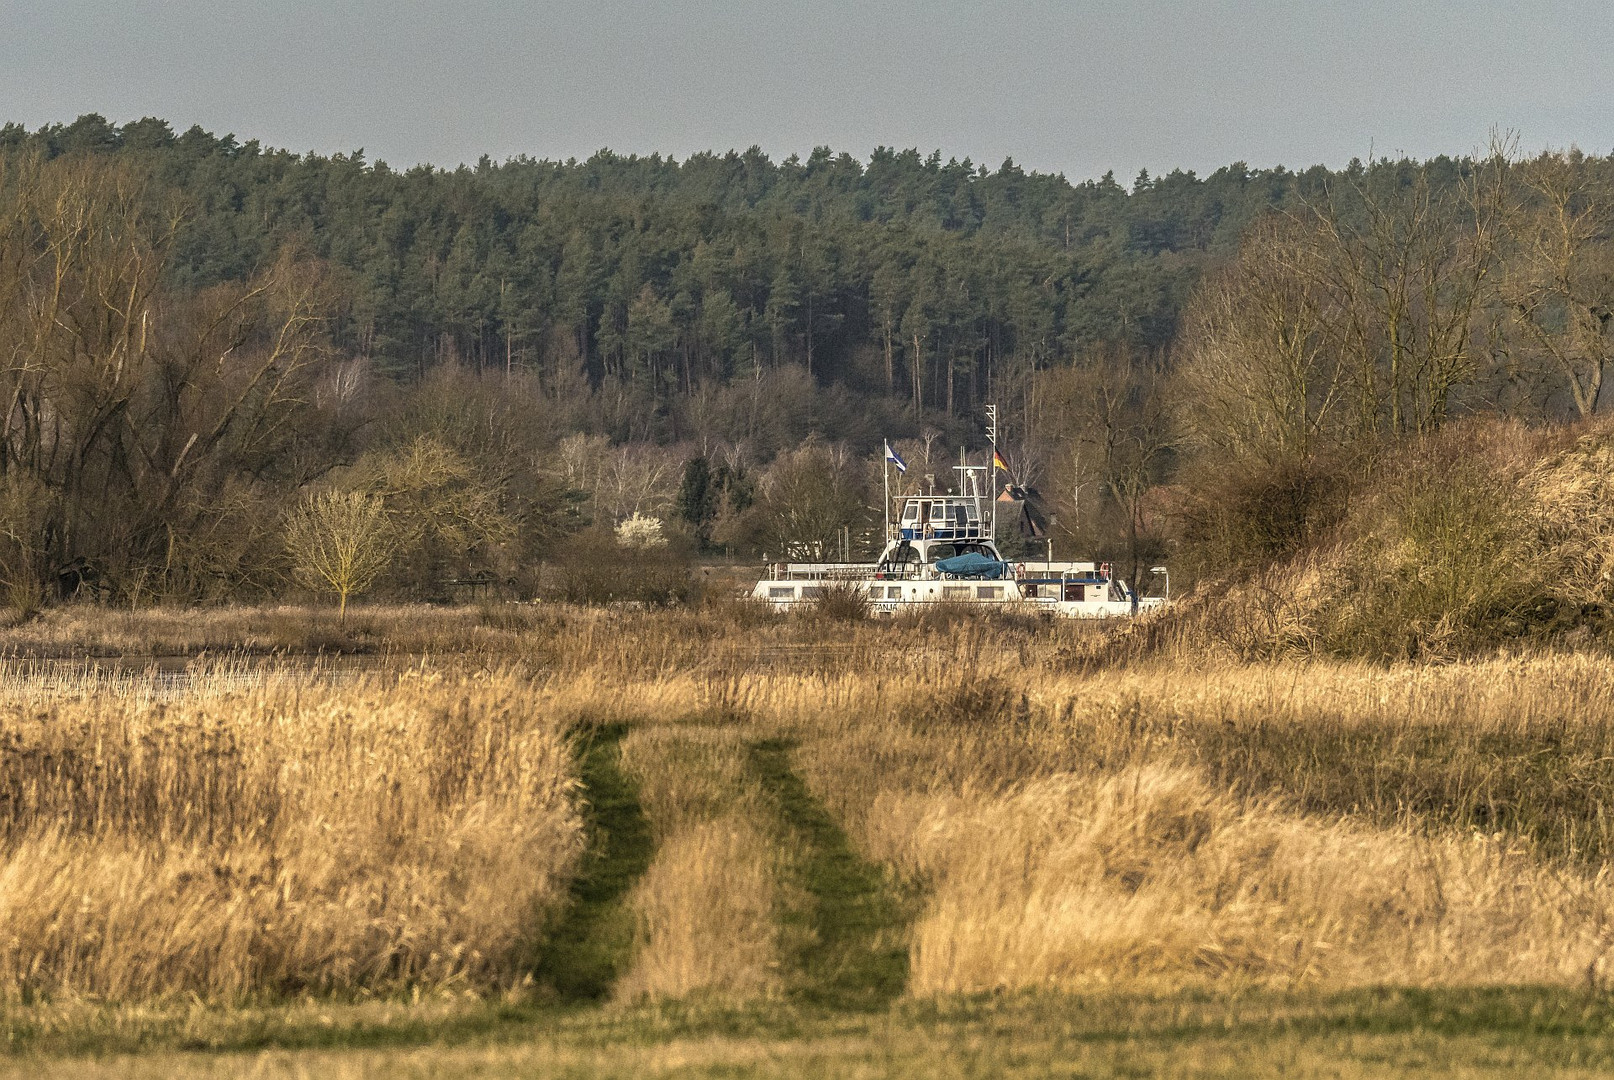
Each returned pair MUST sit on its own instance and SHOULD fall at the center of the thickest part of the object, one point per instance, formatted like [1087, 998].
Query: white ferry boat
[940, 549]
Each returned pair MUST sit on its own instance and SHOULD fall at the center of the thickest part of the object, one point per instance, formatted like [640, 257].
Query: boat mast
[991, 467]
[885, 507]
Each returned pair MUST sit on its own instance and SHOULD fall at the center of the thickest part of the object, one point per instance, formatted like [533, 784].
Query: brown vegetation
[1486, 534]
[1232, 825]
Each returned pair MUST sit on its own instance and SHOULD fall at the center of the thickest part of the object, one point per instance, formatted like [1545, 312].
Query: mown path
[849, 950]
[594, 941]
[855, 956]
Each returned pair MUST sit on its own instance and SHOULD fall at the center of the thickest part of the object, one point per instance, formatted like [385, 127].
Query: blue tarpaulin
[972, 564]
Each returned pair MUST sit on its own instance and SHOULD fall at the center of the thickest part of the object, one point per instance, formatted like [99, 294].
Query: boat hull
[889, 598]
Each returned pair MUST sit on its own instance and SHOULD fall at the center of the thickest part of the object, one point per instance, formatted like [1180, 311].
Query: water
[156, 678]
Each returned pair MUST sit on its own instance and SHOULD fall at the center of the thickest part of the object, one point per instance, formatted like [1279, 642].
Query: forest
[215, 353]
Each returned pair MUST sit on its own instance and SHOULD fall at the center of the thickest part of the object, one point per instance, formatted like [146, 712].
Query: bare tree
[1405, 267]
[1350, 320]
[1105, 428]
[1559, 282]
[1262, 372]
[340, 542]
[809, 496]
[138, 409]
[25, 513]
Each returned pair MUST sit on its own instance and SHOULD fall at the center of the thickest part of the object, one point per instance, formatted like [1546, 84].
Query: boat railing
[972, 531]
[820, 571]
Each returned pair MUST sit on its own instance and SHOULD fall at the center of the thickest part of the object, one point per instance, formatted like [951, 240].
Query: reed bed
[1311, 823]
[289, 834]
[1314, 824]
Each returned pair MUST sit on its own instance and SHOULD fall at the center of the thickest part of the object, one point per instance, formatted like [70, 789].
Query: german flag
[998, 462]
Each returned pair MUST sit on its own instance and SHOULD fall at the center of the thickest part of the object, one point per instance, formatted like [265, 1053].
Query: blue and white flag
[891, 456]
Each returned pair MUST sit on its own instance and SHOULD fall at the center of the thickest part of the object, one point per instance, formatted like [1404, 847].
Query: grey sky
[1059, 86]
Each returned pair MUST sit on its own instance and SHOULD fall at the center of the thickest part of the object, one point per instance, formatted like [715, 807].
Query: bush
[1440, 562]
[1233, 522]
[841, 601]
[594, 569]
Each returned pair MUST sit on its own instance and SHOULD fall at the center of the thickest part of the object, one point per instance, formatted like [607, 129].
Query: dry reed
[285, 835]
[1135, 830]
[1318, 824]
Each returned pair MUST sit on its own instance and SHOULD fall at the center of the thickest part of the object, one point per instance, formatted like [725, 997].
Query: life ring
[1019, 570]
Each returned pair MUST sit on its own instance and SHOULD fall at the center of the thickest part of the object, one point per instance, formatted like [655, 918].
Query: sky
[1058, 85]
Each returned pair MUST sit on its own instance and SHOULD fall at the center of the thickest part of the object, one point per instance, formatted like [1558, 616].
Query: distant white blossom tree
[640, 531]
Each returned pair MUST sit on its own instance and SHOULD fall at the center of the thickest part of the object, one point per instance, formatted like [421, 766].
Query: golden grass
[86, 630]
[1070, 832]
[1214, 824]
[284, 834]
[1148, 878]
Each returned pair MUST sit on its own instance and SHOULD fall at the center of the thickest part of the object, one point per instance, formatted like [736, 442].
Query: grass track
[1371, 1033]
[594, 940]
[856, 956]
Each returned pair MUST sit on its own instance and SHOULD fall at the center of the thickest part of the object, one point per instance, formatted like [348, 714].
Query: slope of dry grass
[1487, 533]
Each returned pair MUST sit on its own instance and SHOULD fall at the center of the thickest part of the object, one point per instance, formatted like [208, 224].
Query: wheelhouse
[940, 517]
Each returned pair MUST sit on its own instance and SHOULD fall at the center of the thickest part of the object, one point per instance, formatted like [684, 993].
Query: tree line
[203, 339]
[903, 276]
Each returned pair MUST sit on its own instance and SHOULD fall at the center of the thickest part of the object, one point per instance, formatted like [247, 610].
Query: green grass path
[593, 943]
[855, 956]
[1494, 1034]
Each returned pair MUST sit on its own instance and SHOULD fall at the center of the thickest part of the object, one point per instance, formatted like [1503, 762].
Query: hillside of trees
[904, 276]
[202, 335]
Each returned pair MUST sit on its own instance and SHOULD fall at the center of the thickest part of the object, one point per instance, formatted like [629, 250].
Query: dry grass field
[532, 840]
[280, 834]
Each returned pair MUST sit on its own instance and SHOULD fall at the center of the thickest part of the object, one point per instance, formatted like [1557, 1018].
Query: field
[519, 840]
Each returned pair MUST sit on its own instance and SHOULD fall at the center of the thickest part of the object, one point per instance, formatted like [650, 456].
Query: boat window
[938, 512]
[781, 592]
[940, 551]
[893, 592]
[910, 512]
[959, 517]
[955, 592]
[989, 592]
[811, 592]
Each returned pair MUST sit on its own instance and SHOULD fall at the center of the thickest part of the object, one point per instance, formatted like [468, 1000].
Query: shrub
[594, 569]
[1439, 563]
[1234, 522]
[841, 601]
